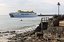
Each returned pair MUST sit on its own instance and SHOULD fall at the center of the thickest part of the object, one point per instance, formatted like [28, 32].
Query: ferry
[23, 14]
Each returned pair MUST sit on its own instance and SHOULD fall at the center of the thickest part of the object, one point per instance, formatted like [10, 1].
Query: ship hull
[20, 15]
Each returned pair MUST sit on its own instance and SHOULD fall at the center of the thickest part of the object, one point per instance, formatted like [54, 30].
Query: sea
[7, 23]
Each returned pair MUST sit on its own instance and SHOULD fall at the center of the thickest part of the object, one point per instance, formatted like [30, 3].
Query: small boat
[21, 20]
[20, 14]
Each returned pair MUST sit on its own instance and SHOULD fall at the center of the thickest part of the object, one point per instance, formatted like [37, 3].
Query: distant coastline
[46, 15]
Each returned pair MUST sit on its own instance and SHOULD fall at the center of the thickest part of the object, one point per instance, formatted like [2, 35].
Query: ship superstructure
[23, 14]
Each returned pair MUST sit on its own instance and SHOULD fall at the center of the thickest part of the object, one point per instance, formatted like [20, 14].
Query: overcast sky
[38, 6]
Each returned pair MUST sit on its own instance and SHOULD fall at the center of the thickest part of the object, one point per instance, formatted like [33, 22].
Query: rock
[13, 32]
[1, 35]
[14, 38]
[44, 27]
[9, 38]
[5, 32]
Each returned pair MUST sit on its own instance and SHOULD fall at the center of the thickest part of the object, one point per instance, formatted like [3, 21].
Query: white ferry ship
[23, 14]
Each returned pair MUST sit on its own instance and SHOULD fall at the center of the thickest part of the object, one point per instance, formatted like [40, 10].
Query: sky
[38, 6]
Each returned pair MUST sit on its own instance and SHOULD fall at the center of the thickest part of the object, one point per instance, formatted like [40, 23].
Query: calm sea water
[8, 23]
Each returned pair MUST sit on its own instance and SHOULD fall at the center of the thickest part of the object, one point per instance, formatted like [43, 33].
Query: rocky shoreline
[5, 35]
[14, 36]
[47, 31]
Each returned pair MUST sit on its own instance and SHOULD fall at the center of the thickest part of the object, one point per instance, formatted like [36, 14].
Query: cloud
[2, 4]
[40, 6]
